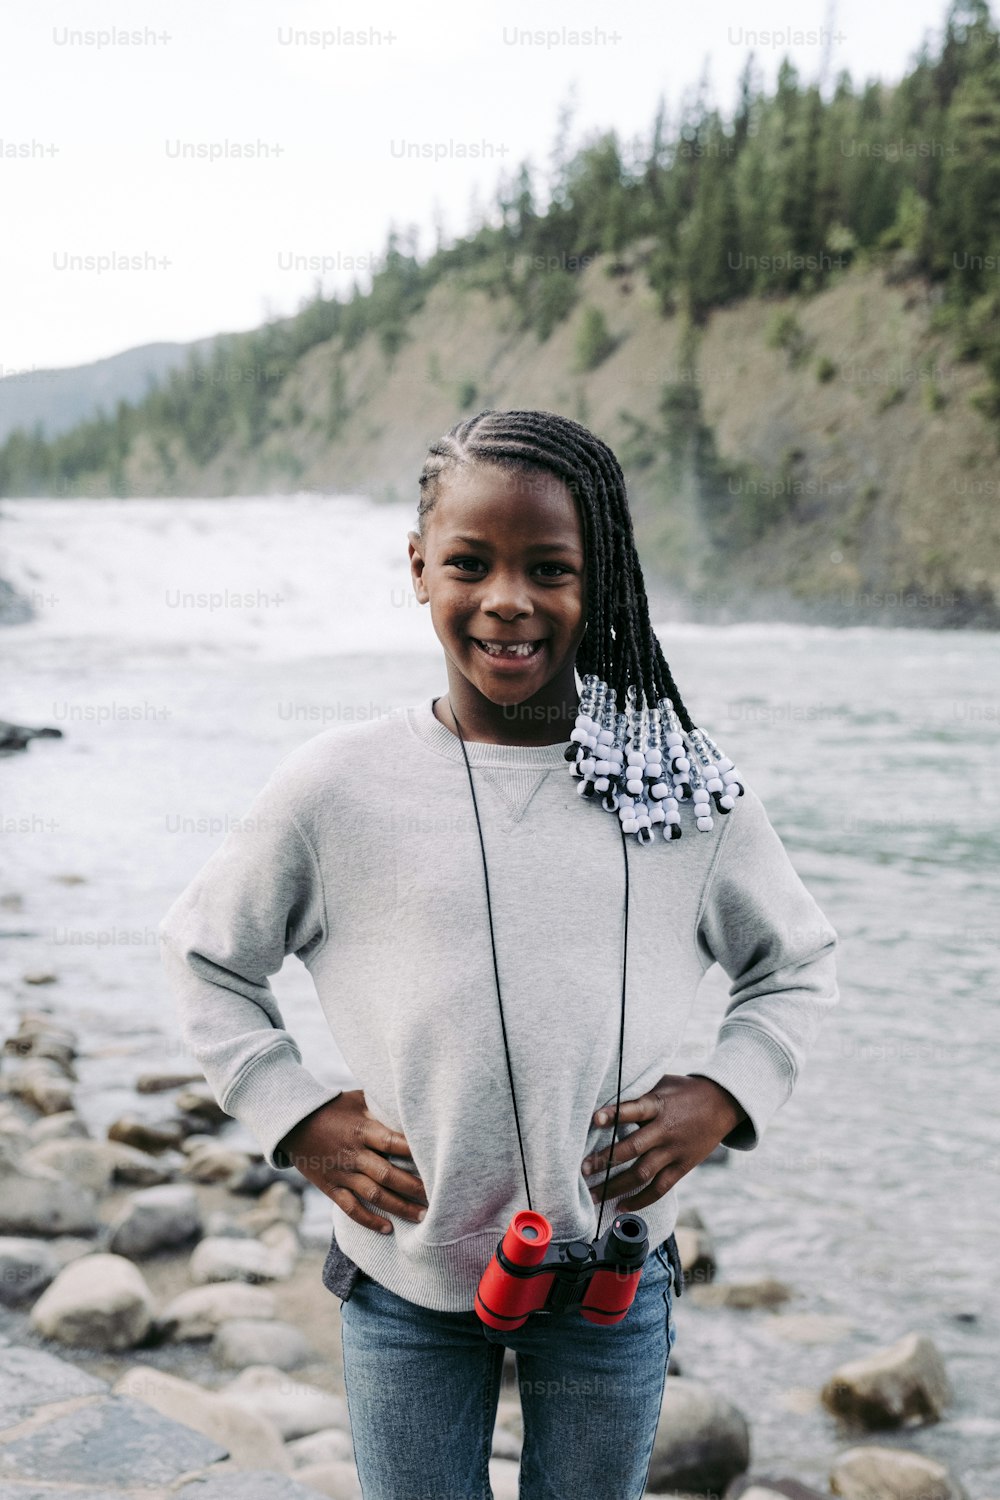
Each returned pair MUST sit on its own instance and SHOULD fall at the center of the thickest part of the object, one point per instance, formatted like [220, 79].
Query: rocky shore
[164, 1329]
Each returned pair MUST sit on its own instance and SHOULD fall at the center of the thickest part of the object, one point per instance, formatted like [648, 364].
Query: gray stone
[248, 1485]
[49, 1041]
[329, 1445]
[905, 1383]
[223, 1258]
[220, 1224]
[30, 1377]
[157, 1083]
[197, 1313]
[338, 1480]
[99, 1301]
[259, 1175]
[199, 1100]
[872, 1473]
[213, 1161]
[147, 1135]
[767, 1487]
[136, 1168]
[155, 1218]
[110, 1442]
[702, 1440]
[82, 1161]
[62, 1126]
[697, 1254]
[251, 1439]
[41, 1084]
[294, 1407]
[39, 1201]
[741, 1294]
[278, 1204]
[26, 1268]
[260, 1341]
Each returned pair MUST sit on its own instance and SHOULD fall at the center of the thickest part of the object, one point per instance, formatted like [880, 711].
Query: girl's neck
[530, 723]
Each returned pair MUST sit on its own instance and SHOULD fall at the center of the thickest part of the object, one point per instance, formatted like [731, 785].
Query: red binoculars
[529, 1274]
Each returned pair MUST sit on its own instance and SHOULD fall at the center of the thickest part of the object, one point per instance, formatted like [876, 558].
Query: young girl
[500, 960]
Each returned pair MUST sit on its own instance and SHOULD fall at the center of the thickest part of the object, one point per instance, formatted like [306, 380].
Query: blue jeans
[423, 1388]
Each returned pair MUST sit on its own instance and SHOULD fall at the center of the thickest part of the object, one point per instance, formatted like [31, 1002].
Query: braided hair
[620, 645]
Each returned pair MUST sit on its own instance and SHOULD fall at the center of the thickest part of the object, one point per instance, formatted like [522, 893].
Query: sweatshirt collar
[436, 736]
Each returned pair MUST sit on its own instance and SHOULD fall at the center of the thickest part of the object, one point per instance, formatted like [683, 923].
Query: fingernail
[421, 1215]
[386, 1228]
[601, 1118]
[588, 1165]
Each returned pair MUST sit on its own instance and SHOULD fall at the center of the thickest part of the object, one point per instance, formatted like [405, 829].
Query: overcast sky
[98, 132]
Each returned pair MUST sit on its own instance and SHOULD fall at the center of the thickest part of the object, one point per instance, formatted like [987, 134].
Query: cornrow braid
[620, 653]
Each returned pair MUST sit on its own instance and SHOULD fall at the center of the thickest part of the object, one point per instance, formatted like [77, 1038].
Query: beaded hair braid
[618, 753]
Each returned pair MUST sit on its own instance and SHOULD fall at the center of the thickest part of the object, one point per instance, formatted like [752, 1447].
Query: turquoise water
[874, 1193]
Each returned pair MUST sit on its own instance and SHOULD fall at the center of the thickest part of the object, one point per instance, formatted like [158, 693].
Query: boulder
[26, 1268]
[702, 1440]
[240, 1342]
[155, 1218]
[872, 1473]
[278, 1204]
[212, 1161]
[146, 1135]
[198, 1099]
[252, 1441]
[329, 1445]
[137, 1168]
[197, 1313]
[337, 1479]
[38, 1201]
[99, 1301]
[905, 1383]
[41, 1084]
[295, 1408]
[223, 1258]
[83, 1161]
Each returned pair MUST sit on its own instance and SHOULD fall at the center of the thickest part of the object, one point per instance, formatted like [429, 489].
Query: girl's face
[501, 564]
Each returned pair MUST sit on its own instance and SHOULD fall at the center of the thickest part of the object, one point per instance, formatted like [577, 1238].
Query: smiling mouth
[515, 649]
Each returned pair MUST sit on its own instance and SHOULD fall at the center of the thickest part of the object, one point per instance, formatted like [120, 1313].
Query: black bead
[571, 751]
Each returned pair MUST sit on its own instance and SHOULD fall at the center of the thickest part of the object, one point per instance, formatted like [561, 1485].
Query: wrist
[731, 1111]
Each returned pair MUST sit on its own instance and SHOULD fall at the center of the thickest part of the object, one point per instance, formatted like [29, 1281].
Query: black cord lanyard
[496, 976]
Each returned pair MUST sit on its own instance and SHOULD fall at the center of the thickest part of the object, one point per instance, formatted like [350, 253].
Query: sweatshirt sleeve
[758, 921]
[258, 898]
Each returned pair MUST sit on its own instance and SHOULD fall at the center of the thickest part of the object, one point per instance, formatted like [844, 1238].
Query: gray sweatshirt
[360, 855]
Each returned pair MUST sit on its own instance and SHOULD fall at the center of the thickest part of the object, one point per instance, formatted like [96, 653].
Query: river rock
[197, 1313]
[905, 1383]
[338, 1479]
[259, 1175]
[158, 1083]
[697, 1254]
[41, 1084]
[295, 1408]
[278, 1204]
[766, 1487]
[702, 1440]
[137, 1168]
[156, 1218]
[34, 1038]
[872, 1473]
[252, 1439]
[260, 1341]
[220, 1223]
[38, 1201]
[82, 1161]
[26, 1268]
[147, 1135]
[198, 1099]
[741, 1294]
[223, 1258]
[99, 1301]
[213, 1161]
[66, 1125]
[328, 1445]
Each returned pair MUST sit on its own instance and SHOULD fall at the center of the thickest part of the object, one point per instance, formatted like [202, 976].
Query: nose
[507, 596]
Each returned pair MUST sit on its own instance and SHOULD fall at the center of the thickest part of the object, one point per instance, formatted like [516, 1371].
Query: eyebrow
[477, 541]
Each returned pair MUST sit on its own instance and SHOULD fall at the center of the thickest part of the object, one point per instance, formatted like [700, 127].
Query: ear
[415, 550]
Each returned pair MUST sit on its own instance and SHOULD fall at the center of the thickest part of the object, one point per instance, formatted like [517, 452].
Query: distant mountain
[60, 399]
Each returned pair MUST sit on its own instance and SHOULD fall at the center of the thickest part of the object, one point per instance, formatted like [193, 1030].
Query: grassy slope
[890, 487]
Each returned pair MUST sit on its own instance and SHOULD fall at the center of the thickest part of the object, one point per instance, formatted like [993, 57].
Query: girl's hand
[341, 1148]
[681, 1121]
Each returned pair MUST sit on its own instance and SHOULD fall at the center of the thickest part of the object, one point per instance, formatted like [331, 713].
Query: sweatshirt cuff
[272, 1096]
[751, 1066]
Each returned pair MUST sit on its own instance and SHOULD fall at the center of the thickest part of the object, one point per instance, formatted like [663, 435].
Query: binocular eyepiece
[531, 1274]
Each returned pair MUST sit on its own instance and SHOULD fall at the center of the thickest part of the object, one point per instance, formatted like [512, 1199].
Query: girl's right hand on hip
[341, 1148]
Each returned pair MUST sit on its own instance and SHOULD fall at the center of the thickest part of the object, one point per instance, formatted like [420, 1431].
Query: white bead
[729, 777]
[659, 789]
[682, 763]
[635, 787]
[588, 766]
[671, 808]
[700, 794]
[653, 762]
[579, 736]
[715, 785]
[605, 737]
[584, 721]
[592, 741]
[726, 802]
[674, 739]
[602, 783]
[630, 825]
[725, 764]
[705, 825]
[656, 814]
[635, 757]
[627, 801]
[642, 822]
[603, 767]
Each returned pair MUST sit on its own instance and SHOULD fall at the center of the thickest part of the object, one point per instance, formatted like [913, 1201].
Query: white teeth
[523, 648]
